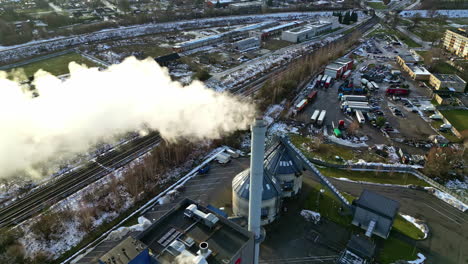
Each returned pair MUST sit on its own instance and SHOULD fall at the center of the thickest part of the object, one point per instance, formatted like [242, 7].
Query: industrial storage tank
[271, 196]
[287, 170]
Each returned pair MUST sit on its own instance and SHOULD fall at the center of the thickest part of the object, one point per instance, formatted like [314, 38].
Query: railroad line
[69, 183]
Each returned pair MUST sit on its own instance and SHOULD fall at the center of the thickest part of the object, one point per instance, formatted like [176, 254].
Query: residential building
[456, 41]
[451, 82]
[375, 213]
[305, 32]
[247, 44]
[409, 64]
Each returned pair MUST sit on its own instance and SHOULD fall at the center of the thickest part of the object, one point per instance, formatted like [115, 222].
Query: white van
[436, 117]
[223, 158]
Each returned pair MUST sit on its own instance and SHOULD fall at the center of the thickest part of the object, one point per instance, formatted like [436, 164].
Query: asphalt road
[448, 238]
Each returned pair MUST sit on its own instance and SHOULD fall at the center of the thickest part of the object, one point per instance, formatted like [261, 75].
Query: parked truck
[324, 79]
[328, 82]
[301, 105]
[397, 91]
[314, 116]
[360, 117]
[321, 117]
[346, 74]
[311, 95]
[354, 98]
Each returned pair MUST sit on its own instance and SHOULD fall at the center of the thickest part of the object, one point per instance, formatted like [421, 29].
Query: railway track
[69, 183]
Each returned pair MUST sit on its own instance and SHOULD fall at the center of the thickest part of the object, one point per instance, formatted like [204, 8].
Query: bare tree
[353, 127]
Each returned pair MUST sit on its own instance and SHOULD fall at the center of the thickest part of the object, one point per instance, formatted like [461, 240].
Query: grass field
[276, 44]
[375, 177]
[407, 40]
[376, 5]
[329, 152]
[401, 225]
[448, 134]
[444, 68]
[395, 249]
[458, 118]
[57, 65]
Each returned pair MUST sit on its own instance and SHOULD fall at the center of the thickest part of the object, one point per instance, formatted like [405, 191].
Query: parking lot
[407, 119]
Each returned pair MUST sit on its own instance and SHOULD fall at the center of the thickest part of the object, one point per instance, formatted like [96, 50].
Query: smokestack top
[259, 122]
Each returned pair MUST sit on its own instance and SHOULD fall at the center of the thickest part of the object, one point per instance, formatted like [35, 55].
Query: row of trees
[348, 17]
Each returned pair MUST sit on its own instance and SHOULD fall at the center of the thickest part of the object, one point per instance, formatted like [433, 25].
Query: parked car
[436, 117]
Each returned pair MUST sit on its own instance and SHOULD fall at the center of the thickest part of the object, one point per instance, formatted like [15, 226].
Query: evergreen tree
[217, 5]
[270, 3]
[340, 18]
[354, 17]
[347, 18]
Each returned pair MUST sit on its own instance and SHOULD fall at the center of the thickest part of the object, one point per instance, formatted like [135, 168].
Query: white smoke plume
[91, 106]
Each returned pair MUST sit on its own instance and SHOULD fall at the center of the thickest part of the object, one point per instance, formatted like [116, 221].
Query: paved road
[448, 239]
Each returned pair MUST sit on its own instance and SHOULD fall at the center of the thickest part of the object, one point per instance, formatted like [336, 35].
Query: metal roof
[280, 161]
[361, 246]
[280, 27]
[241, 185]
[378, 203]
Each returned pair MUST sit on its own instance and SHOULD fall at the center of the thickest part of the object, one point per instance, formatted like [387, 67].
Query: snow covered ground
[461, 187]
[448, 199]
[454, 13]
[35, 48]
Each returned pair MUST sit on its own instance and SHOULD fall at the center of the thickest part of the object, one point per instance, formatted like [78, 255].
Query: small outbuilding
[375, 213]
[359, 250]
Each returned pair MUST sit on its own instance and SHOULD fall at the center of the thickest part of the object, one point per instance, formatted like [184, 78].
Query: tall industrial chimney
[256, 181]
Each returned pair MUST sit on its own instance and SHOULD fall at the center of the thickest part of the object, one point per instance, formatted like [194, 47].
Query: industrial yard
[233, 132]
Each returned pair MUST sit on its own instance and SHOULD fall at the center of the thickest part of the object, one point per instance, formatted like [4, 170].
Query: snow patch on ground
[372, 183]
[420, 260]
[143, 223]
[281, 129]
[460, 187]
[418, 223]
[451, 13]
[311, 216]
[448, 199]
[345, 142]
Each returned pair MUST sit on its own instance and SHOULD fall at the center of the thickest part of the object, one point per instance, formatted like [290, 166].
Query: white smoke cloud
[69, 116]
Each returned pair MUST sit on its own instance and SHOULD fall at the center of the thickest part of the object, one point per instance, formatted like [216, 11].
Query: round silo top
[280, 162]
[241, 185]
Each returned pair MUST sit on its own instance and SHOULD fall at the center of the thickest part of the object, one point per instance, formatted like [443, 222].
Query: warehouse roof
[419, 70]
[124, 252]
[361, 246]
[280, 26]
[377, 203]
[408, 58]
[334, 66]
[448, 78]
[225, 239]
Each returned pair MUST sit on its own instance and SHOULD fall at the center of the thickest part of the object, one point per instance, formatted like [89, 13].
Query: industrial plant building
[276, 30]
[306, 32]
[188, 232]
[375, 213]
[247, 44]
[451, 82]
[456, 41]
[226, 36]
